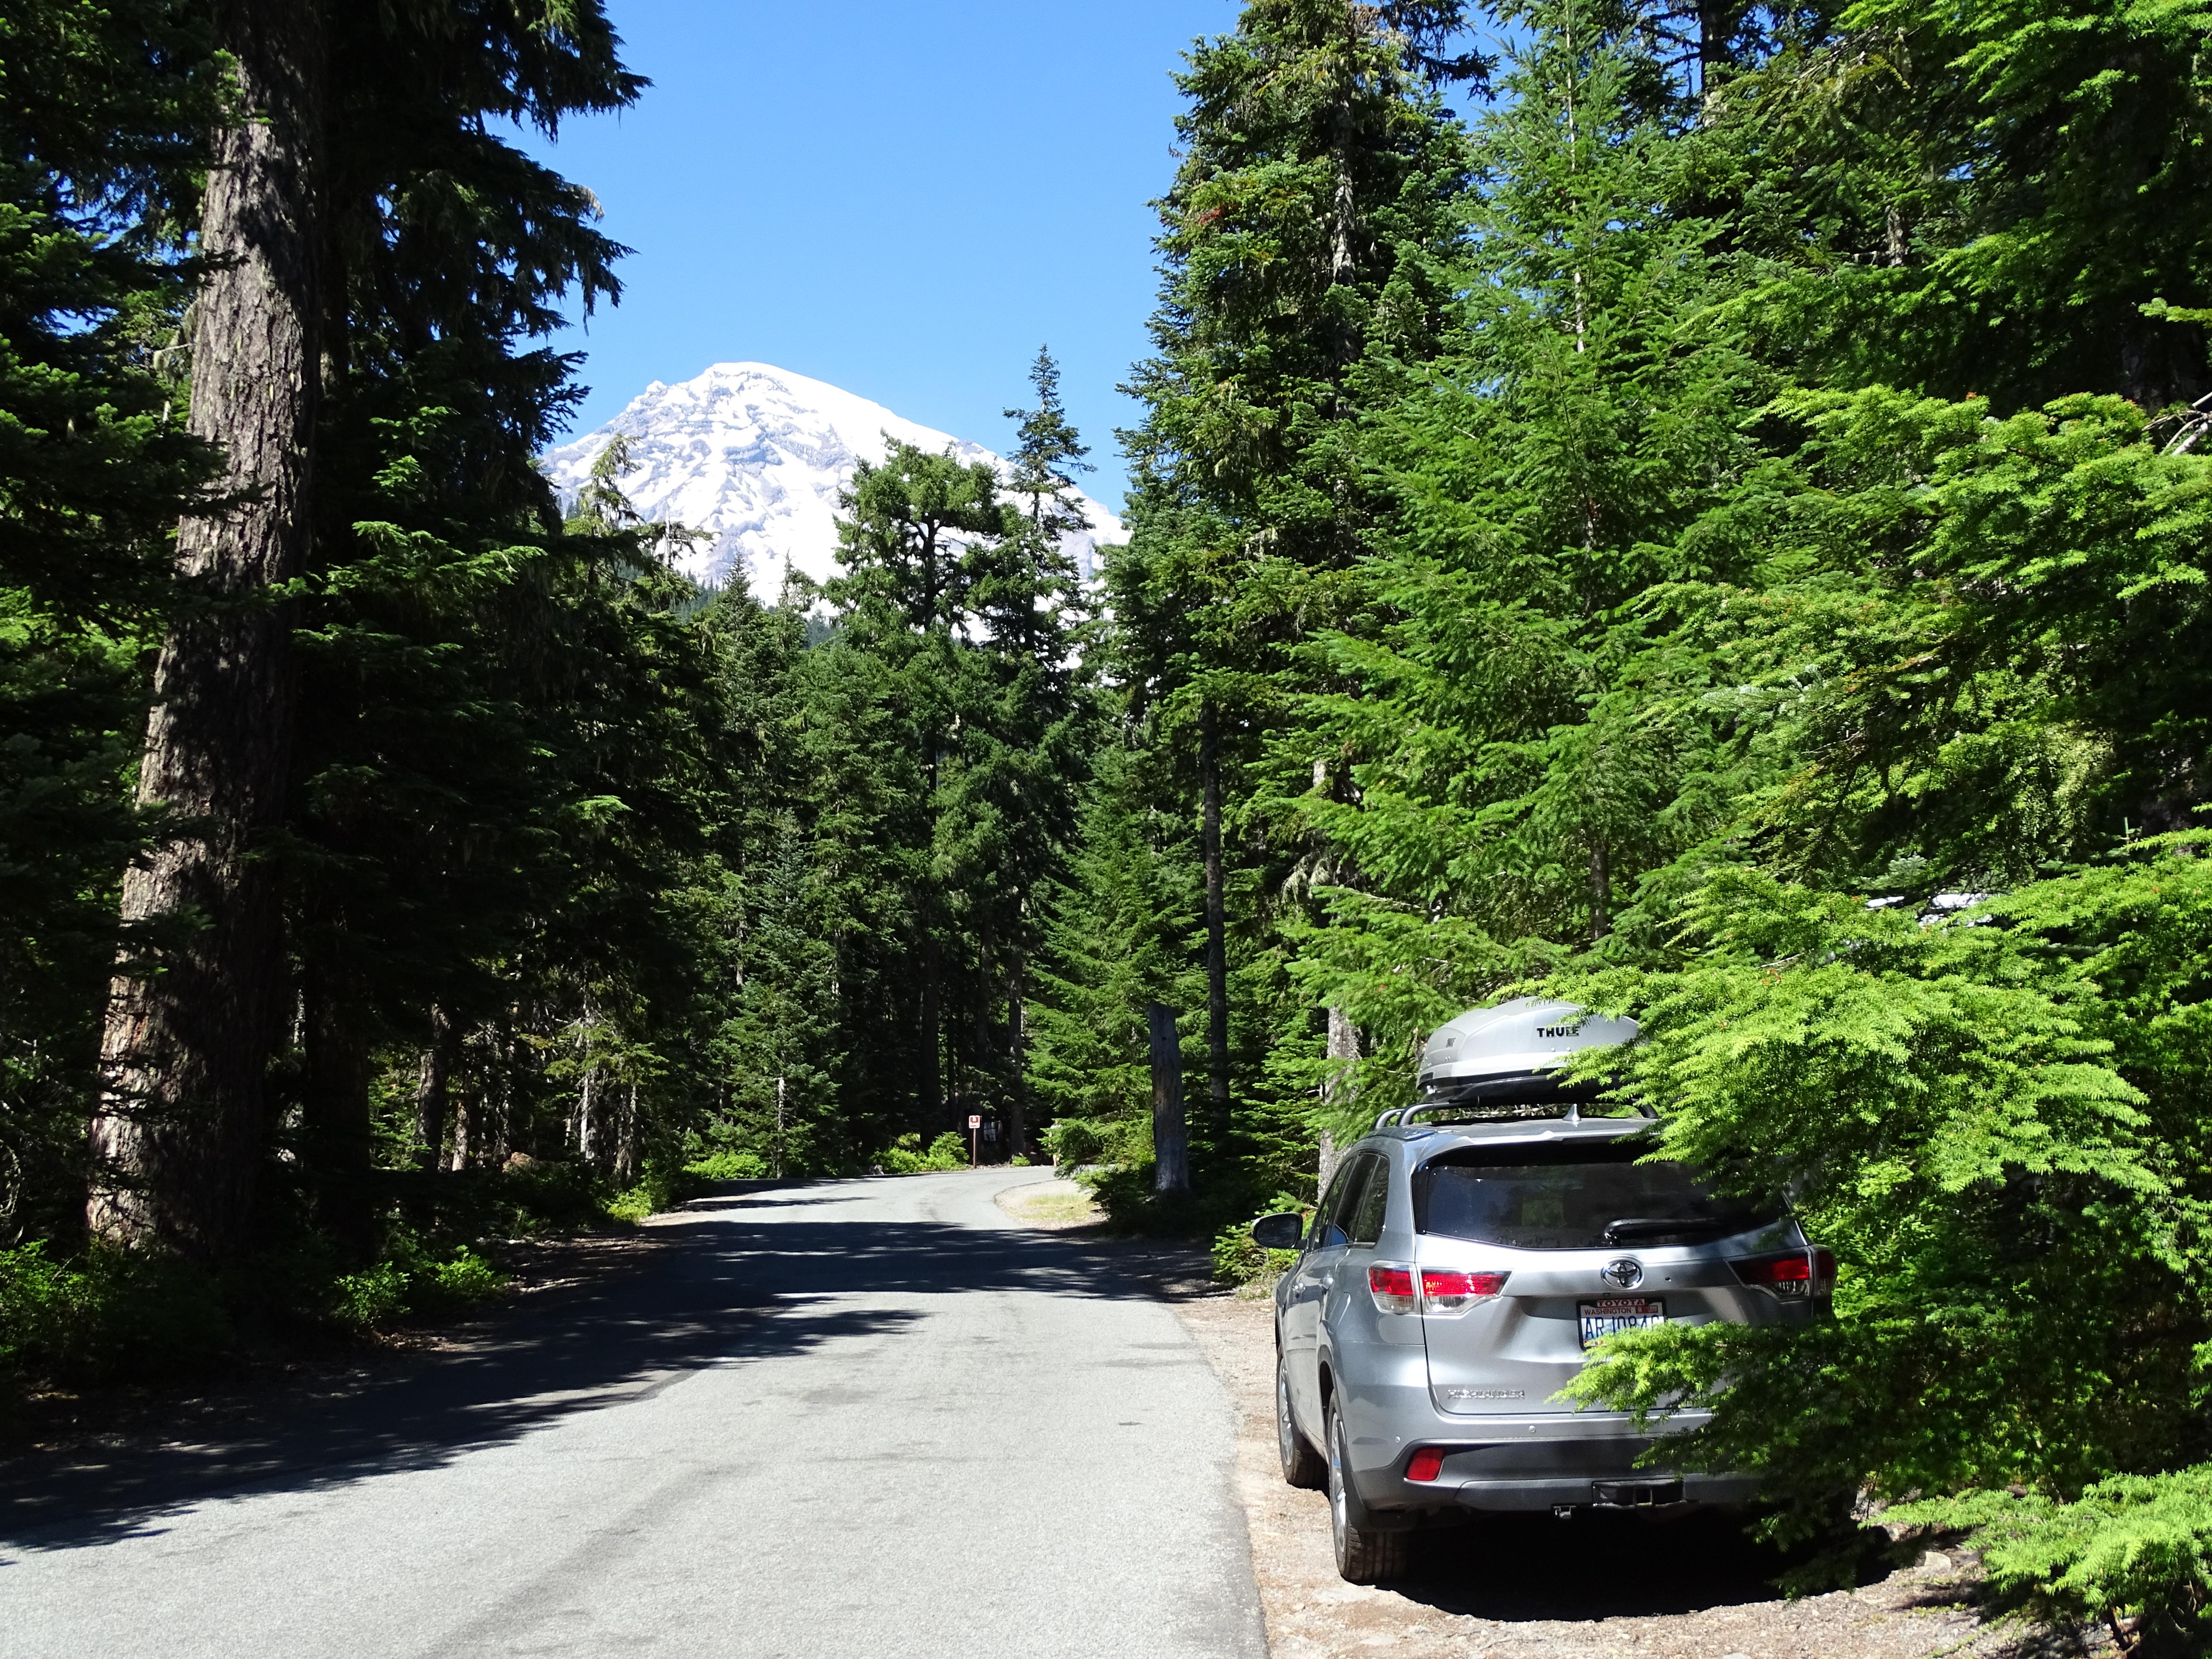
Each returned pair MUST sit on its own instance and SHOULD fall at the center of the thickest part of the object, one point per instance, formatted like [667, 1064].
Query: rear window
[1586, 1195]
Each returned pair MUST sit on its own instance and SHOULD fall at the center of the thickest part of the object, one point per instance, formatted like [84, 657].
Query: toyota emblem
[1627, 1273]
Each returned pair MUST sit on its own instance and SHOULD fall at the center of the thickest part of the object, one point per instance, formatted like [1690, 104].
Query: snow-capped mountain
[756, 456]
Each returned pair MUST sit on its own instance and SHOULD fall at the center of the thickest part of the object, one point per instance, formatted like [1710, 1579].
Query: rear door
[1590, 1242]
[1310, 1279]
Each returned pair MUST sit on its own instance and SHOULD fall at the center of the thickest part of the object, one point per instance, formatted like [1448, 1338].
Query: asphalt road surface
[868, 1418]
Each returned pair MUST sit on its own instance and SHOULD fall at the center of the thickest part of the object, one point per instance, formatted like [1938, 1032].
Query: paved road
[868, 1418]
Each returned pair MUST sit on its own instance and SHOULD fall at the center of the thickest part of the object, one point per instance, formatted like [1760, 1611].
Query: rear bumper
[1636, 1489]
[1540, 1461]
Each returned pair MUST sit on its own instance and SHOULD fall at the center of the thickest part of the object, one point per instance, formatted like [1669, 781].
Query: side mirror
[1278, 1232]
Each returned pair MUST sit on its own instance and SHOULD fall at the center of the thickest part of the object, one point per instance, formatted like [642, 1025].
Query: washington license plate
[1619, 1313]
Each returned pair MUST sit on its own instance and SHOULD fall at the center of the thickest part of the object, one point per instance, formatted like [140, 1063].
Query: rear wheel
[1363, 1555]
[1301, 1465]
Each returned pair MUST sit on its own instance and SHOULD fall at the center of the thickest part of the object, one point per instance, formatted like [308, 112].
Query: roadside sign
[975, 1122]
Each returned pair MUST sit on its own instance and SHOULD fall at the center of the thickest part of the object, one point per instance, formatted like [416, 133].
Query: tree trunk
[1600, 893]
[464, 1126]
[588, 1137]
[178, 1135]
[1718, 22]
[932, 1016]
[434, 1089]
[1343, 1045]
[1018, 1121]
[1171, 1136]
[496, 1127]
[626, 1141]
[1217, 947]
[337, 1142]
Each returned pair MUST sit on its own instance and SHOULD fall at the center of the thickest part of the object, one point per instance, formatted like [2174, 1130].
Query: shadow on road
[733, 1283]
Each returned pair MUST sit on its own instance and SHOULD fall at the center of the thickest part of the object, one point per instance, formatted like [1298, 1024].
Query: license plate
[1619, 1313]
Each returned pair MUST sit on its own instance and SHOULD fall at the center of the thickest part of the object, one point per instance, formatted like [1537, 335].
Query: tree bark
[1216, 945]
[178, 1135]
[433, 1088]
[626, 1149]
[1018, 1121]
[1171, 1135]
[932, 1043]
[464, 1125]
[1601, 892]
[1718, 22]
[339, 1142]
[1343, 1045]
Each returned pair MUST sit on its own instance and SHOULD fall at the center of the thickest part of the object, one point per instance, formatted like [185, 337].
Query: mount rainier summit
[754, 456]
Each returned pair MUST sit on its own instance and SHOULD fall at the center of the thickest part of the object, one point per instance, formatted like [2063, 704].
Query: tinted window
[1340, 1194]
[1575, 1197]
[1365, 1212]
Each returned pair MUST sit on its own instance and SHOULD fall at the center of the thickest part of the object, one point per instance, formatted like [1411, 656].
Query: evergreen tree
[360, 148]
[1492, 783]
[1304, 243]
[102, 107]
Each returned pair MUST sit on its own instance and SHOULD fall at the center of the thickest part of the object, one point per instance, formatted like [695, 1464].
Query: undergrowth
[95, 1316]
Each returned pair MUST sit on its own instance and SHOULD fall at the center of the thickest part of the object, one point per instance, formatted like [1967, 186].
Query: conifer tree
[178, 1135]
[103, 111]
[1490, 771]
[360, 146]
[1303, 243]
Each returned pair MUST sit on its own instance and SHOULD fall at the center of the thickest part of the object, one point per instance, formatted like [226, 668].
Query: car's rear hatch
[1589, 1241]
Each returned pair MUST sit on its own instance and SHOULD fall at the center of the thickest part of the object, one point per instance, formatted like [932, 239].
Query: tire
[1303, 1466]
[1363, 1554]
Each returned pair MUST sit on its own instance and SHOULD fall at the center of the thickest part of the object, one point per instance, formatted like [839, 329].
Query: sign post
[975, 1123]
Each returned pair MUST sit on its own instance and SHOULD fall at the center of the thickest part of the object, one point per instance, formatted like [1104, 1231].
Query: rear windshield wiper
[1631, 1228]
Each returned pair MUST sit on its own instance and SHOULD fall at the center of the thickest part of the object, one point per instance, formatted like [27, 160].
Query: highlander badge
[1627, 1273]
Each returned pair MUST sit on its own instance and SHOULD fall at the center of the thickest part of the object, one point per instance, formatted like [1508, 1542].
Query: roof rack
[1474, 1111]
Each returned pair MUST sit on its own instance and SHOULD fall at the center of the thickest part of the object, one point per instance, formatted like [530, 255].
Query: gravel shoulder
[1541, 1589]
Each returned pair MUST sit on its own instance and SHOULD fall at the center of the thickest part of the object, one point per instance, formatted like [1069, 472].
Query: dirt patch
[1054, 1205]
[1511, 1588]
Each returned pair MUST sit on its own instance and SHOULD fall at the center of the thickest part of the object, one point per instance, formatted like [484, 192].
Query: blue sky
[904, 197]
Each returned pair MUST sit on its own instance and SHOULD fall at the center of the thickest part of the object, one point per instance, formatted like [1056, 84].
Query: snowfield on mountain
[754, 456]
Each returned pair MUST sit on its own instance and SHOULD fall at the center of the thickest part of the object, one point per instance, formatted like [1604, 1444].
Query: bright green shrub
[2133, 1553]
[108, 1315]
[467, 1277]
[374, 1297]
[2001, 1130]
[903, 1157]
[1074, 1142]
[727, 1165]
[633, 1206]
[1078, 1142]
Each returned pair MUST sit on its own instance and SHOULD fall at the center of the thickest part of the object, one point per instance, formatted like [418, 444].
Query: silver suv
[1455, 1277]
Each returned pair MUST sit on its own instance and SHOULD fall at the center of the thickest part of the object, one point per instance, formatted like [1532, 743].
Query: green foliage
[107, 1316]
[2132, 1551]
[727, 1166]
[1991, 1119]
[1075, 1142]
[632, 1206]
[905, 1156]
[1783, 509]
[1238, 1260]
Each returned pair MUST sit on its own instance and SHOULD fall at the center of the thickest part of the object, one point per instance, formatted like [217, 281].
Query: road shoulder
[1540, 1576]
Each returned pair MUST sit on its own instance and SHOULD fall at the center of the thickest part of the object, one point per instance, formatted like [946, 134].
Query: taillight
[1392, 1287]
[1425, 1464]
[1437, 1291]
[1797, 1274]
[1446, 1291]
